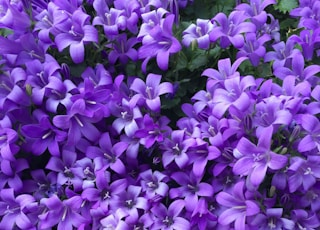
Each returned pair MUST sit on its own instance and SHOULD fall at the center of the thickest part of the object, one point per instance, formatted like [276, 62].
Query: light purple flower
[77, 32]
[159, 43]
[169, 218]
[14, 210]
[254, 161]
[239, 205]
[229, 29]
[150, 90]
[198, 32]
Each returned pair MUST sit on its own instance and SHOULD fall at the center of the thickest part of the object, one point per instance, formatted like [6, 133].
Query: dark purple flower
[254, 161]
[47, 21]
[40, 77]
[14, 210]
[239, 205]
[229, 29]
[150, 90]
[159, 43]
[198, 32]
[77, 32]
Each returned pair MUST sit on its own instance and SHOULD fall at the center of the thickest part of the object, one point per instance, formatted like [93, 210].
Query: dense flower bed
[159, 114]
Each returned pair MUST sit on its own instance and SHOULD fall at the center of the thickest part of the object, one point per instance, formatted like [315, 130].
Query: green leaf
[286, 5]
[5, 32]
[198, 60]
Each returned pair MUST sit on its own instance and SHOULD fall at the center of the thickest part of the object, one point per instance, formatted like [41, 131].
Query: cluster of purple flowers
[93, 150]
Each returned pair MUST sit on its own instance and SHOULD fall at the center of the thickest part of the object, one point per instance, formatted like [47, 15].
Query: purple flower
[191, 188]
[104, 192]
[150, 90]
[112, 20]
[255, 9]
[159, 43]
[11, 173]
[282, 55]
[153, 183]
[44, 135]
[225, 70]
[303, 219]
[77, 123]
[272, 219]
[311, 140]
[114, 221]
[253, 47]
[122, 49]
[198, 32]
[130, 9]
[230, 29]
[127, 203]
[169, 219]
[8, 146]
[15, 210]
[234, 93]
[150, 131]
[254, 161]
[303, 172]
[175, 149]
[150, 21]
[76, 34]
[68, 173]
[12, 93]
[309, 40]
[127, 114]
[108, 155]
[298, 70]
[64, 214]
[202, 217]
[239, 205]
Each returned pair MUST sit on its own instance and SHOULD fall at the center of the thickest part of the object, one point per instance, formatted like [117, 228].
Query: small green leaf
[199, 59]
[286, 5]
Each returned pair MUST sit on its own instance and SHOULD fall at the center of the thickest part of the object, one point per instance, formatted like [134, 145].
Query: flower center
[148, 92]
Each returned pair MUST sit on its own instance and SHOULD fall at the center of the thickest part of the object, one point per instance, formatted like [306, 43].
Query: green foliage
[285, 6]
